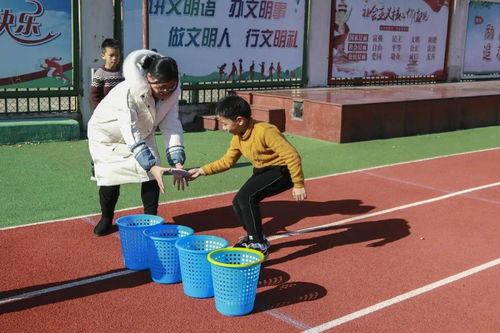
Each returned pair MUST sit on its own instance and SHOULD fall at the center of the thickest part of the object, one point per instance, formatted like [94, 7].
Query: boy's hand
[157, 172]
[180, 182]
[195, 173]
[299, 194]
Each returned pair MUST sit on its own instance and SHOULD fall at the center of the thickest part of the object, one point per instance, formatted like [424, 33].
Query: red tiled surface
[365, 113]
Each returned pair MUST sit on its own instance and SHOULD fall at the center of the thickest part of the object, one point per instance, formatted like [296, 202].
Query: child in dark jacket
[109, 75]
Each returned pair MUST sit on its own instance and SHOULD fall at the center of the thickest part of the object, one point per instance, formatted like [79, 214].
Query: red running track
[412, 247]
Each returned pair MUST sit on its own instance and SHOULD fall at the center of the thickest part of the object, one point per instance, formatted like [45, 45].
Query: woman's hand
[299, 194]
[157, 172]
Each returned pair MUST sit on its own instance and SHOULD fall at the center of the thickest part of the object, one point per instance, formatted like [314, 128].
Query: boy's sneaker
[263, 247]
[243, 242]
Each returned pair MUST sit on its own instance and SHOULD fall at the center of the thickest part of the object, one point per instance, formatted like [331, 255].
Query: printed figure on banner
[342, 15]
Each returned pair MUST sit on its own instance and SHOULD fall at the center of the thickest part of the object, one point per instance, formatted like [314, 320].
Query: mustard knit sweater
[263, 145]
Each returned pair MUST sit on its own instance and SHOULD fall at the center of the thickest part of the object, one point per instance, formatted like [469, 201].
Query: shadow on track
[129, 280]
[283, 291]
[286, 294]
[282, 214]
[378, 232]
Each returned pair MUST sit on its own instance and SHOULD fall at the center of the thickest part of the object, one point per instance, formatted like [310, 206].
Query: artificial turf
[46, 181]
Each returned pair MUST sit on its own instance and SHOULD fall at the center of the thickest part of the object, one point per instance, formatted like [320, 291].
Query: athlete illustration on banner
[278, 70]
[262, 69]
[54, 69]
[240, 68]
[271, 71]
[251, 70]
[222, 71]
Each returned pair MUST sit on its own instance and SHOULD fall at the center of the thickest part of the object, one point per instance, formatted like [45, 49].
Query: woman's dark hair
[162, 69]
[233, 106]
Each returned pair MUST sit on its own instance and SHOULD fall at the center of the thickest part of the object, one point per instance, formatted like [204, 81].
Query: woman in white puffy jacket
[121, 133]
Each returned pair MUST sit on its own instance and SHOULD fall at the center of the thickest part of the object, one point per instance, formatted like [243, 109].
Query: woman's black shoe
[103, 227]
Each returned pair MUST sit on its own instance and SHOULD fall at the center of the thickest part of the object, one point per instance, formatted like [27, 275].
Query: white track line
[228, 192]
[64, 286]
[402, 181]
[290, 321]
[402, 297]
[303, 231]
[403, 163]
[389, 210]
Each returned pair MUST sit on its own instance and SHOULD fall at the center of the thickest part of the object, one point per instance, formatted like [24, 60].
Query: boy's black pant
[108, 196]
[265, 182]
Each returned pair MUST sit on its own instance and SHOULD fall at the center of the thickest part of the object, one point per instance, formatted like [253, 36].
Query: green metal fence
[20, 102]
[211, 92]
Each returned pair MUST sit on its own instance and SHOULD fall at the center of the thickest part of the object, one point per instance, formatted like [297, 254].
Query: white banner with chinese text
[223, 40]
[389, 38]
[482, 44]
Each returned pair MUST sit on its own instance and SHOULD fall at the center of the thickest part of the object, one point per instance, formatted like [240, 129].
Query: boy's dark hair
[110, 42]
[233, 106]
[162, 69]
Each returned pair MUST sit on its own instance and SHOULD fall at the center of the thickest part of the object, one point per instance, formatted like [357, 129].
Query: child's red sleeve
[96, 92]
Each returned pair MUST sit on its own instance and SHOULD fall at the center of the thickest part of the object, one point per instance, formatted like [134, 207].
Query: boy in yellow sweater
[277, 167]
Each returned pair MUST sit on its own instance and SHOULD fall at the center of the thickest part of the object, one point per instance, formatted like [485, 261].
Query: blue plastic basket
[235, 274]
[195, 268]
[163, 257]
[134, 243]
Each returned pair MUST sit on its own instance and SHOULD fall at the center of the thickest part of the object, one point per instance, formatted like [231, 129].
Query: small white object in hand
[180, 172]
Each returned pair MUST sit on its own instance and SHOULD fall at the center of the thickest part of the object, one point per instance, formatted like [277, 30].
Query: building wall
[319, 43]
[456, 39]
[97, 23]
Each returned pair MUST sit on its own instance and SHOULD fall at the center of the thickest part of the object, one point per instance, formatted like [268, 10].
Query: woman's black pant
[108, 197]
[265, 182]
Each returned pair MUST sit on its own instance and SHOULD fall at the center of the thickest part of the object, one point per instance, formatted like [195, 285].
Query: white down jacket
[127, 115]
